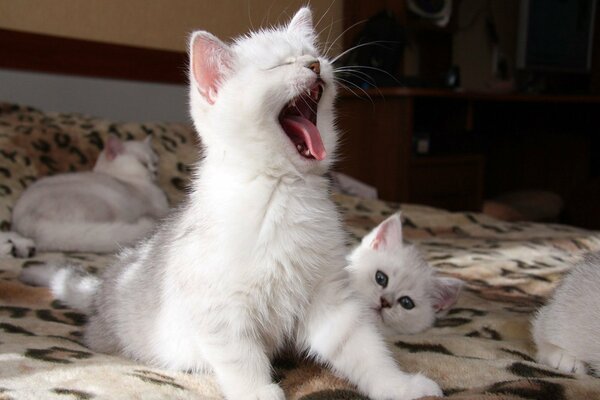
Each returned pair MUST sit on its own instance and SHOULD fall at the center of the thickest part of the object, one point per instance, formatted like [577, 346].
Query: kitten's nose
[314, 66]
[385, 303]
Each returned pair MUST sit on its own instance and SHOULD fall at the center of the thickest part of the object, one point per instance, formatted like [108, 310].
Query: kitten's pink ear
[445, 292]
[114, 147]
[210, 61]
[302, 23]
[388, 234]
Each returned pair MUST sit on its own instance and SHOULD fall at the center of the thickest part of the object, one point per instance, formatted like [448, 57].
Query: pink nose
[385, 303]
[314, 66]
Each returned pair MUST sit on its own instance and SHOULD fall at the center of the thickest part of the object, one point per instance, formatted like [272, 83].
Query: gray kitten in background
[566, 331]
[398, 284]
[98, 211]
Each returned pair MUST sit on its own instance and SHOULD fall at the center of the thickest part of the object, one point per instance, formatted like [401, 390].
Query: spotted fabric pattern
[482, 349]
[34, 144]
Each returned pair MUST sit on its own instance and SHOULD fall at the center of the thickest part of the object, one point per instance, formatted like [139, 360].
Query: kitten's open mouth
[299, 121]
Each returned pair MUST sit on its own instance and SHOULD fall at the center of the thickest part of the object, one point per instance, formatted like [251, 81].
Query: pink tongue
[302, 127]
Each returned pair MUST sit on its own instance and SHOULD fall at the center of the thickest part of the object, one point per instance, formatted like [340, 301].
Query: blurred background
[481, 105]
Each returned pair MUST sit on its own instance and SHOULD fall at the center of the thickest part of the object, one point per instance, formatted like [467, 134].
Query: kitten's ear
[210, 61]
[388, 234]
[114, 147]
[445, 292]
[302, 23]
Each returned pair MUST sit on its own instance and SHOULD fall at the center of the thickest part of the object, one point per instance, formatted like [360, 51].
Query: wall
[109, 98]
[162, 24]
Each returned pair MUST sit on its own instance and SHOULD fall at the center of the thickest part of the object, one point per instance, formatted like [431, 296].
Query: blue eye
[381, 278]
[406, 302]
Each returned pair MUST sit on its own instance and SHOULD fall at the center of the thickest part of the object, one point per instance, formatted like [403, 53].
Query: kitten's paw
[407, 387]
[420, 386]
[562, 361]
[268, 392]
[17, 246]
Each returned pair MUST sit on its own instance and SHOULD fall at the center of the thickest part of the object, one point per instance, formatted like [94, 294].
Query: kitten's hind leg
[339, 333]
[559, 358]
[242, 368]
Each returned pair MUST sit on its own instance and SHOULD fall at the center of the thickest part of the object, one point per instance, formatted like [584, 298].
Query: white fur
[408, 274]
[70, 283]
[115, 205]
[254, 262]
[13, 244]
[566, 331]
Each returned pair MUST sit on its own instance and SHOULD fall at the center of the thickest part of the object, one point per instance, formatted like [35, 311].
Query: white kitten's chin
[402, 324]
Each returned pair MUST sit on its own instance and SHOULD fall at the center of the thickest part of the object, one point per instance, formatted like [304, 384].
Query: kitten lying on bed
[100, 211]
[566, 331]
[397, 282]
[254, 262]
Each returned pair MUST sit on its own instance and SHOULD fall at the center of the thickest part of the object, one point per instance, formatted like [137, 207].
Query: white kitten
[397, 282]
[254, 262]
[114, 205]
[567, 329]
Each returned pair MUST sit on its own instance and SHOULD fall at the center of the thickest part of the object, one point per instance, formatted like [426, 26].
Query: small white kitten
[397, 282]
[98, 211]
[566, 331]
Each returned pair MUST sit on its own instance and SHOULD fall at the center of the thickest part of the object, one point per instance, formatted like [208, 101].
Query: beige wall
[163, 24]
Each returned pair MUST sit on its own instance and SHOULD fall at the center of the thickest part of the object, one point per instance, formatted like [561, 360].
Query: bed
[481, 349]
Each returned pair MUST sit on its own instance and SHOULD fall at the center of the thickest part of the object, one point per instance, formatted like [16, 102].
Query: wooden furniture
[481, 144]
[431, 44]
[59, 55]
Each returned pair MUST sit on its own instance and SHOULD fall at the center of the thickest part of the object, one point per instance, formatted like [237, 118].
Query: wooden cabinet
[477, 143]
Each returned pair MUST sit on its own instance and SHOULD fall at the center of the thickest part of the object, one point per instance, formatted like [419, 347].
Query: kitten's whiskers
[340, 80]
[341, 35]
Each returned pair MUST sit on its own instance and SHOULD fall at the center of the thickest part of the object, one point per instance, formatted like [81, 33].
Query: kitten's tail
[94, 237]
[69, 283]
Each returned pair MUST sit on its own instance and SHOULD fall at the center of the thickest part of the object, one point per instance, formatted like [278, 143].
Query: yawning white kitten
[397, 282]
[254, 262]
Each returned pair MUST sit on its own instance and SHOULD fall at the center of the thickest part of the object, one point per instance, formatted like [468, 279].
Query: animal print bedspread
[481, 350]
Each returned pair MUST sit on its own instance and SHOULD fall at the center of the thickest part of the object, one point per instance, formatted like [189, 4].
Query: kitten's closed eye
[279, 65]
[287, 61]
[381, 278]
[406, 302]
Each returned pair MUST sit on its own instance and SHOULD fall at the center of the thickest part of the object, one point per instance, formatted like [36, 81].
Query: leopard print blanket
[481, 350]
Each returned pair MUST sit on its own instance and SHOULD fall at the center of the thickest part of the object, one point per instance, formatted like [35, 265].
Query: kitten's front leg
[560, 359]
[242, 368]
[12, 243]
[339, 332]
